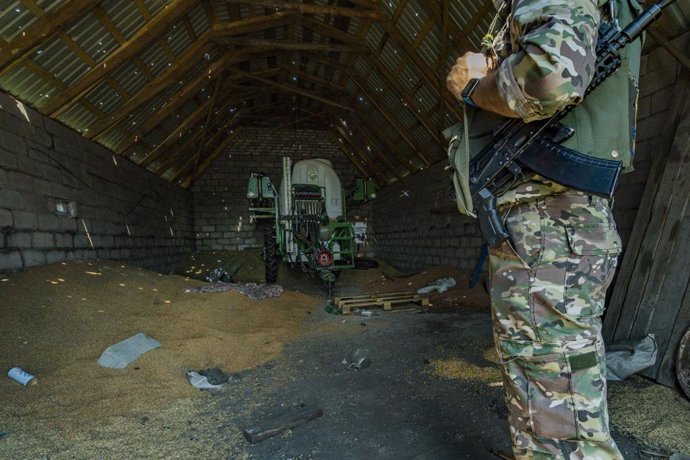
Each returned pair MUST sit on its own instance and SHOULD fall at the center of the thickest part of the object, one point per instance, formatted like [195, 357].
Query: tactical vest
[604, 123]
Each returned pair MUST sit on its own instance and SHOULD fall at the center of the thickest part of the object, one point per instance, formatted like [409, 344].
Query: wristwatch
[469, 91]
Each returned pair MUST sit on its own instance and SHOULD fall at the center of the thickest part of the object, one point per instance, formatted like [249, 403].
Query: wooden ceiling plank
[189, 27]
[32, 6]
[311, 8]
[158, 25]
[26, 42]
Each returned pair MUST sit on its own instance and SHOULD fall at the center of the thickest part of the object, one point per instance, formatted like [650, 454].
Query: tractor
[304, 221]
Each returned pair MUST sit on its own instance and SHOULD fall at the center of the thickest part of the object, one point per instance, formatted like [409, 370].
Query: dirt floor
[432, 390]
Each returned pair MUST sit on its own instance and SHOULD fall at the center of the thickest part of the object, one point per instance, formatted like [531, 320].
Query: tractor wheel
[270, 253]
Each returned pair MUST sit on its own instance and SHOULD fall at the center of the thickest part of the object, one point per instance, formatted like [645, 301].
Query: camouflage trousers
[548, 289]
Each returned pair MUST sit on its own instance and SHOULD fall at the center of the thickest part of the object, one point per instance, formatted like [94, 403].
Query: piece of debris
[218, 275]
[215, 376]
[4, 433]
[251, 290]
[122, 354]
[22, 377]
[440, 285]
[358, 359]
[283, 422]
[386, 300]
[201, 382]
[625, 358]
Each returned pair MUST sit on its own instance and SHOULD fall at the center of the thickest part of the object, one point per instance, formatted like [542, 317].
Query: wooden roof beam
[345, 140]
[310, 8]
[361, 135]
[292, 45]
[47, 26]
[249, 25]
[294, 89]
[189, 180]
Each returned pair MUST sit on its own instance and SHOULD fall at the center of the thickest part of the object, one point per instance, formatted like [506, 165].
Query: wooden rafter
[351, 156]
[293, 45]
[361, 135]
[189, 180]
[47, 26]
[346, 144]
[249, 25]
[294, 89]
[310, 8]
[211, 108]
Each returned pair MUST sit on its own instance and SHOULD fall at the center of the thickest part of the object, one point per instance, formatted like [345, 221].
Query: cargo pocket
[567, 396]
[594, 250]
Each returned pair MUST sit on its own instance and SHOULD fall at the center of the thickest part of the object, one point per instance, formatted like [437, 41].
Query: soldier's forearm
[487, 97]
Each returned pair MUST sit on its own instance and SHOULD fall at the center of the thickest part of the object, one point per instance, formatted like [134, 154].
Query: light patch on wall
[239, 224]
[66, 208]
[114, 160]
[22, 109]
[88, 235]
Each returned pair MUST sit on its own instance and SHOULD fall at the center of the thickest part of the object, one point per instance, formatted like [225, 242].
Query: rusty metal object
[683, 363]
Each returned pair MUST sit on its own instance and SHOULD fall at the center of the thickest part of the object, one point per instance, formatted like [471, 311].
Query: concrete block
[64, 240]
[42, 240]
[5, 218]
[20, 181]
[8, 159]
[10, 141]
[10, 260]
[18, 240]
[55, 256]
[25, 220]
[34, 258]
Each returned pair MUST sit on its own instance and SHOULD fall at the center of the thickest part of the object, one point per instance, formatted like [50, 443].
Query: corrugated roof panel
[14, 18]
[155, 59]
[104, 98]
[78, 117]
[49, 5]
[128, 19]
[425, 98]
[21, 82]
[154, 6]
[391, 55]
[130, 77]
[361, 66]
[59, 60]
[408, 77]
[93, 37]
[178, 39]
[199, 20]
[113, 138]
[374, 37]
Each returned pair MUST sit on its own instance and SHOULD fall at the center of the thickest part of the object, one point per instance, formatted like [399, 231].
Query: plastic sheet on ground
[251, 290]
[627, 357]
[123, 353]
[440, 285]
[201, 382]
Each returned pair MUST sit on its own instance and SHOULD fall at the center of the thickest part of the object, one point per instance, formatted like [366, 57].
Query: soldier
[549, 281]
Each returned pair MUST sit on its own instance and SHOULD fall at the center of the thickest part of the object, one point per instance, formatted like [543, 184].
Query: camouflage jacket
[548, 54]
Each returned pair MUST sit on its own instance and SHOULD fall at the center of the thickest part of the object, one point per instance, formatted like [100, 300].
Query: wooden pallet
[385, 301]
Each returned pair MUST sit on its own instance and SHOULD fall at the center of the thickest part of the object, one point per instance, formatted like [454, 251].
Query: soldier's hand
[467, 67]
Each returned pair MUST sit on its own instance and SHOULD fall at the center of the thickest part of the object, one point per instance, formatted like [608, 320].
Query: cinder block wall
[417, 225]
[415, 229]
[129, 213]
[221, 215]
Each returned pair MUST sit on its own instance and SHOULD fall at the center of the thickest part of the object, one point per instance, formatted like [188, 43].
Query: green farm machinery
[304, 220]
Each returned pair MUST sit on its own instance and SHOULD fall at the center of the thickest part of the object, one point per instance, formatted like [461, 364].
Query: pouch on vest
[465, 140]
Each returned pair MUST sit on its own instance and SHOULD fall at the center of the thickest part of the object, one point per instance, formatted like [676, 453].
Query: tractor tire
[270, 253]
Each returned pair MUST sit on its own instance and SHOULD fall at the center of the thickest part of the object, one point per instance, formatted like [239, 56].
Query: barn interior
[141, 144]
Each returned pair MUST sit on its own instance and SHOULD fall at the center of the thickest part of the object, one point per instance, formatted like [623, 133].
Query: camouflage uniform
[548, 285]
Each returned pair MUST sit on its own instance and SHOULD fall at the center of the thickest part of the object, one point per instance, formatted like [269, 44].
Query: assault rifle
[535, 146]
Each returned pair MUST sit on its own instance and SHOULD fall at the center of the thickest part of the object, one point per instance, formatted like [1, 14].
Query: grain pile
[57, 320]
